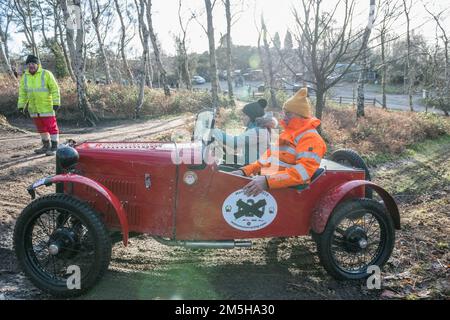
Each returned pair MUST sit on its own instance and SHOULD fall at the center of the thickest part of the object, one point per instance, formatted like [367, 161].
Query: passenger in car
[297, 154]
[247, 147]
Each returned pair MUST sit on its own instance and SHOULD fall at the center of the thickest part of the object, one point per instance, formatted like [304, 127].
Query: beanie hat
[32, 59]
[299, 104]
[256, 109]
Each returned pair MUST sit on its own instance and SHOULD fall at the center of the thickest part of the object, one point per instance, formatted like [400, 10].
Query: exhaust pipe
[216, 244]
[225, 244]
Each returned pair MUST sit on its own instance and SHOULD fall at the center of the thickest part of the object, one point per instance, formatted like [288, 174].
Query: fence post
[340, 100]
[374, 102]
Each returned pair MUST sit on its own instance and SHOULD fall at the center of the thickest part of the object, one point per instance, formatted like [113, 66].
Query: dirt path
[271, 269]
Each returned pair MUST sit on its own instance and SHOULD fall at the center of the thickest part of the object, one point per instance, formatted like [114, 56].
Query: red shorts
[46, 124]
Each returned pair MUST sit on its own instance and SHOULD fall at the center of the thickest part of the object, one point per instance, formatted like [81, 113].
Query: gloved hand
[56, 108]
[23, 112]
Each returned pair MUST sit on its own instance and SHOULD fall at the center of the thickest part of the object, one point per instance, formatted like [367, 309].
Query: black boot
[51, 151]
[45, 147]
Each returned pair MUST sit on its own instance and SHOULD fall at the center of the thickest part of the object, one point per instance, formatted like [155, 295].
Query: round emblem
[190, 178]
[249, 213]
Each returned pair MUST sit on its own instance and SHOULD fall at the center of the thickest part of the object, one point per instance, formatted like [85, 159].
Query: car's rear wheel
[352, 159]
[359, 234]
[62, 244]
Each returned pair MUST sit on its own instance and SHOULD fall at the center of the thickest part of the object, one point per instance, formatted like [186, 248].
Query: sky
[277, 13]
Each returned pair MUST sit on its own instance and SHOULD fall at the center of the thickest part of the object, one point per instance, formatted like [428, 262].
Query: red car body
[116, 186]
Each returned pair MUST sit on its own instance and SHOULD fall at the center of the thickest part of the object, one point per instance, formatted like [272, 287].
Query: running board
[226, 244]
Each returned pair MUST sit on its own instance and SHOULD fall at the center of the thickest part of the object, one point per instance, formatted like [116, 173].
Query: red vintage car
[105, 189]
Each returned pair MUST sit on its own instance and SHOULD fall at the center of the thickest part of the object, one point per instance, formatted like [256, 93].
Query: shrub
[114, 101]
[380, 131]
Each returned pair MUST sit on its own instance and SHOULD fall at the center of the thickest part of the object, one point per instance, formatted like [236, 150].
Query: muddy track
[122, 133]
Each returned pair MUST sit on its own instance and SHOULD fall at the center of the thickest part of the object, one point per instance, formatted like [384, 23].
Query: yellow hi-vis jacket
[40, 91]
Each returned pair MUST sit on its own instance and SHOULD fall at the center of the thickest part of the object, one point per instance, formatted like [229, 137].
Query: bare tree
[365, 62]
[145, 45]
[156, 49]
[325, 44]
[445, 89]
[123, 40]
[212, 55]
[6, 16]
[182, 50]
[60, 30]
[269, 65]
[389, 13]
[409, 72]
[229, 45]
[262, 57]
[96, 18]
[77, 53]
[49, 16]
[25, 13]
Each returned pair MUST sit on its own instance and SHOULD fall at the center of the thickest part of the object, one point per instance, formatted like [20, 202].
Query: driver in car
[297, 154]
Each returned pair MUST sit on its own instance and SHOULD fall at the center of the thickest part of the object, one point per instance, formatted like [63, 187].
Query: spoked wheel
[352, 159]
[359, 234]
[57, 235]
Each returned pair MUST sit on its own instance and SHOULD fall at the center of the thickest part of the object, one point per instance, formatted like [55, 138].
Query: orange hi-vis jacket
[294, 158]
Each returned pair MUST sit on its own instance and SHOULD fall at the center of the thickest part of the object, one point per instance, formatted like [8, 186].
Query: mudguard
[74, 178]
[325, 207]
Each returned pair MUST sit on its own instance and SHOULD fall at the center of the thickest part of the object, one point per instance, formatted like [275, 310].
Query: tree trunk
[363, 74]
[409, 72]
[384, 73]
[229, 45]
[212, 56]
[273, 96]
[320, 102]
[76, 49]
[122, 43]
[66, 54]
[5, 58]
[184, 73]
[361, 82]
[263, 62]
[95, 15]
[4, 51]
[145, 46]
[149, 73]
[155, 45]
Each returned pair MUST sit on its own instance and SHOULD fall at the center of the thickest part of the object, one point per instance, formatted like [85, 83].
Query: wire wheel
[57, 233]
[359, 234]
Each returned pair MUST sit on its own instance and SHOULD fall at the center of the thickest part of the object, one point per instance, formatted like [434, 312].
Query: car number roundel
[249, 213]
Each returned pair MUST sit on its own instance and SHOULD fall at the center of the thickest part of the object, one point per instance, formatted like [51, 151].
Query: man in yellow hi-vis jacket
[40, 92]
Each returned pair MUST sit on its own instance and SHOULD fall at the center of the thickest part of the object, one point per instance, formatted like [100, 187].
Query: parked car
[198, 80]
[106, 191]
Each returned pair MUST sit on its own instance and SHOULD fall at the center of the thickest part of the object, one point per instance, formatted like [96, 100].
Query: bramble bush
[113, 101]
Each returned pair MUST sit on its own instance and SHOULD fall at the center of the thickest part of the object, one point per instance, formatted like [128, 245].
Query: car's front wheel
[62, 245]
[359, 234]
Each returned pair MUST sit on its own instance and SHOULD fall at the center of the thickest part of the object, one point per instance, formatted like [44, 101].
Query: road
[394, 101]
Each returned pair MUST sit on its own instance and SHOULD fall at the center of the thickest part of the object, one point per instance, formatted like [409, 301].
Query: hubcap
[355, 239]
[53, 249]
[62, 242]
[363, 243]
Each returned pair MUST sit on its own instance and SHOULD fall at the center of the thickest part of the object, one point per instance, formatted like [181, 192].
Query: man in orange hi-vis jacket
[297, 154]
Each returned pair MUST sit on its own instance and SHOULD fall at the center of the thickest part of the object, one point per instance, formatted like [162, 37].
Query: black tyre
[57, 231]
[360, 233]
[350, 158]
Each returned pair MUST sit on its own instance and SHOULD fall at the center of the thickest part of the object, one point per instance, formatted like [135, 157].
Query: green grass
[424, 166]
[427, 147]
